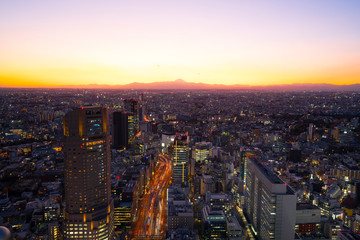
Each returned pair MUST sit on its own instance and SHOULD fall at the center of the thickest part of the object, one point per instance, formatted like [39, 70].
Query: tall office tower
[141, 113]
[120, 130]
[202, 151]
[131, 106]
[311, 132]
[270, 205]
[242, 165]
[244, 155]
[142, 108]
[181, 159]
[89, 208]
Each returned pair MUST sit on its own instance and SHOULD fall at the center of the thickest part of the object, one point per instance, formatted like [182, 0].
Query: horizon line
[204, 85]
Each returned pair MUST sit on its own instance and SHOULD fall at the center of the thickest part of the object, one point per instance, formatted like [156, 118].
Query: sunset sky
[56, 43]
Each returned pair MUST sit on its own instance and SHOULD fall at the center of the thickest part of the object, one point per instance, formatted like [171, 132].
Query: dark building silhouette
[294, 155]
[120, 130]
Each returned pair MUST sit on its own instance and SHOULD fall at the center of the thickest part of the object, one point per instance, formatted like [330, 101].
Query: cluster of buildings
[245, 165]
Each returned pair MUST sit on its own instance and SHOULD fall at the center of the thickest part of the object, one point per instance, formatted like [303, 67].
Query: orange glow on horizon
[229, 77]
[81, 43]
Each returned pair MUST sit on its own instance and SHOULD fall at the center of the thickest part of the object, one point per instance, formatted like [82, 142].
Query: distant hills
[180, 84]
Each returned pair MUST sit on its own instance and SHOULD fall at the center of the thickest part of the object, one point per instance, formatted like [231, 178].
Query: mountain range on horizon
[180, 84]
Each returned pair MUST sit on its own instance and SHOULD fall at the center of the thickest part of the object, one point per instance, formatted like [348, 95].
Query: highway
[151, 217]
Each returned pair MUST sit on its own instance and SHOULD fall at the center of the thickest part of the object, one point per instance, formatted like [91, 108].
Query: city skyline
[200, 164]
[233, 42]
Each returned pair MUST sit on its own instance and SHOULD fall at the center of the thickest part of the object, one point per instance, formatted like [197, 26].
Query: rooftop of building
[234, 224]
[203, 145]
[175, 210]
[303, 206]
[214, 196]
[181, 137]
[273, 178]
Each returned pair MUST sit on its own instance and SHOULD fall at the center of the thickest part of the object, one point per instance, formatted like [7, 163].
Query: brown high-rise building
[89, 208]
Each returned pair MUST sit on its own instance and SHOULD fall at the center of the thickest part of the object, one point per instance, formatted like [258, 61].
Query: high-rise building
[120, 130]
[202, 151]
[311, 132]
[181, 159]
[242, 166]
[131, 106]
[244, 155]
[142, 108]
[141, 114]
[270, 205]
[89, 207]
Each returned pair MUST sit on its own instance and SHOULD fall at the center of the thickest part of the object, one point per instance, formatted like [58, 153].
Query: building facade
[270, 205]
[131, 107]
[202, 151]
[308, 220]
[89, 208]
[181, 159]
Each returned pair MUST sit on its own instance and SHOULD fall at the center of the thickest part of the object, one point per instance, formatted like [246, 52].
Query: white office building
[270, 205]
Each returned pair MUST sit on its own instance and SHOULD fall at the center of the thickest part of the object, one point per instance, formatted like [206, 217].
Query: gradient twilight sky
[50, 43]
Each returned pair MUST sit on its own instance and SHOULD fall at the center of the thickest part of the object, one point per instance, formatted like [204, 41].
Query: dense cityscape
[181, 164]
